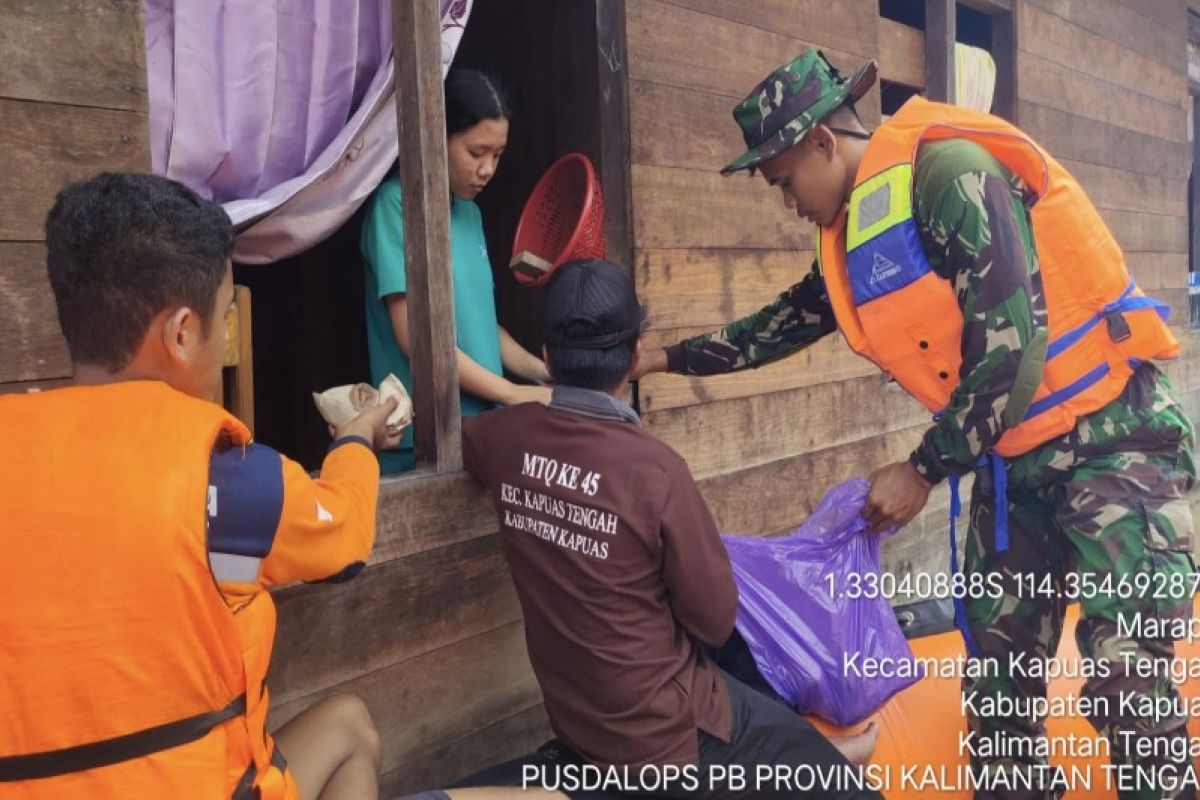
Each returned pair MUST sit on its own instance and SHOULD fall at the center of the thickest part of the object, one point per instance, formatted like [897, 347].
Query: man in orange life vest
[962, 259]
[141, 529]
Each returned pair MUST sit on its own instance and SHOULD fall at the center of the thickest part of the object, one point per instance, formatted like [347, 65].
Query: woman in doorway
[477, 116]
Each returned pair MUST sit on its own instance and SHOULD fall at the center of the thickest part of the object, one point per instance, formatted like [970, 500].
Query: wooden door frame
[422, 167]
[941, 17]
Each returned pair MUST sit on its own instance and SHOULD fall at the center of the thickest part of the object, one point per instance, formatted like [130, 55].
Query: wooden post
[1193, 67]
[421, 121]
[940, 23]
[1004, 53]
[239, 358]
[1194, 187]
[613, 82]
[989, 6]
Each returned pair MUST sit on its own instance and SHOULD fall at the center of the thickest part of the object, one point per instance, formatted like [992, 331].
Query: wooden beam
[332, 633]
[692, 209]
[834, 26]
[1054, 85]
[239, 358]
[940, 20]
[1045, 34]
[426, 512]
[74, 52]
[21, 387]
[901, 53]
[1194, 188]
[421, 121]
[495, 745]
[989, 6]
[1193, 66]
[1004, 54]
[488, 675]
[33, 346]
[1137, 232]
[750, 430]
[613, 123]
[47, 145]
[668, 44]
[1123, 25]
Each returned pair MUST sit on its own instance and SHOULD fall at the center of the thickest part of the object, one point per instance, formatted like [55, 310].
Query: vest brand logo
[883, 268]
[874, 207]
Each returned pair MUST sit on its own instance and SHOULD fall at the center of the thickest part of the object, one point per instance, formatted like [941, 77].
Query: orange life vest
[127, 673]
[893, 309]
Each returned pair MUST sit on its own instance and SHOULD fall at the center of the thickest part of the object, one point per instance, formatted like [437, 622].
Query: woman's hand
[521, 362]
[541, 375]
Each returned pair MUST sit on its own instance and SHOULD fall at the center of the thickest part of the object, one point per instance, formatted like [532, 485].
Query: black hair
[600, 370]
[121, 248]
[472, 96]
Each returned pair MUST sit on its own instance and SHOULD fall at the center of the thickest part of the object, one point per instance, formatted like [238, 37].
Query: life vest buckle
[1118, 326]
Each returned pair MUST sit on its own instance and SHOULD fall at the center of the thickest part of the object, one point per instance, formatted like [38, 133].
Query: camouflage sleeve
[977, 233]
[796, 318]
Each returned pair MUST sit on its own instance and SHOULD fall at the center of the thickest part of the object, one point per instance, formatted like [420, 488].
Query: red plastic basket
[563, 219]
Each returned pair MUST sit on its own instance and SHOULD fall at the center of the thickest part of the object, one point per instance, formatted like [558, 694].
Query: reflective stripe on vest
[883, 248]
[245, 502]
[232, 568]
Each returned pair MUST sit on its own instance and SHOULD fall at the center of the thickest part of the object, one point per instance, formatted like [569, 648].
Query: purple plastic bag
[797, 630]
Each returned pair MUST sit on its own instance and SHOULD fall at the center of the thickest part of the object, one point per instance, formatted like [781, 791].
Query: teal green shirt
[474, 299]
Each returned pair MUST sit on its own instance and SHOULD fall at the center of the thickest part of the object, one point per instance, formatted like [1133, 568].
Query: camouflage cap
[781, 110]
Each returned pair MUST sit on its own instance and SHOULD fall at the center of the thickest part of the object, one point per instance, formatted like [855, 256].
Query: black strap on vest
[118, 749]
[245, 789]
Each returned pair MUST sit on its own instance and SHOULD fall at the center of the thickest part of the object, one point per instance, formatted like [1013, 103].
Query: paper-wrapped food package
[341, 404]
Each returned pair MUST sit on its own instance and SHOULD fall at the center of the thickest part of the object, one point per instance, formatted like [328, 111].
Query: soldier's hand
[651, 360]
[897, 494]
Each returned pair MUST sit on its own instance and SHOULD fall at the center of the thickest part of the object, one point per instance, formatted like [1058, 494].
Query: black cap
[591, 305]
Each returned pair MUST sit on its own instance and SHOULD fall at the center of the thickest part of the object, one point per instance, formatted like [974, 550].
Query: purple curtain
[283, 112]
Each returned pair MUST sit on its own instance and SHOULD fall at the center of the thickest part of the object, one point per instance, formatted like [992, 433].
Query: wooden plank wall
[72, 103]
[429, 636]
[1103, 87]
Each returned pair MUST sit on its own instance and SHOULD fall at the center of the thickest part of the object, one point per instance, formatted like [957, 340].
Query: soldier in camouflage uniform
[1107, 499]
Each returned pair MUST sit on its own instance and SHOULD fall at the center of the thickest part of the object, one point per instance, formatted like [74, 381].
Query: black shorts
[764, 732]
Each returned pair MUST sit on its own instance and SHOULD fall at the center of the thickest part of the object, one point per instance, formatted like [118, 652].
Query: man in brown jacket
[623, 578]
